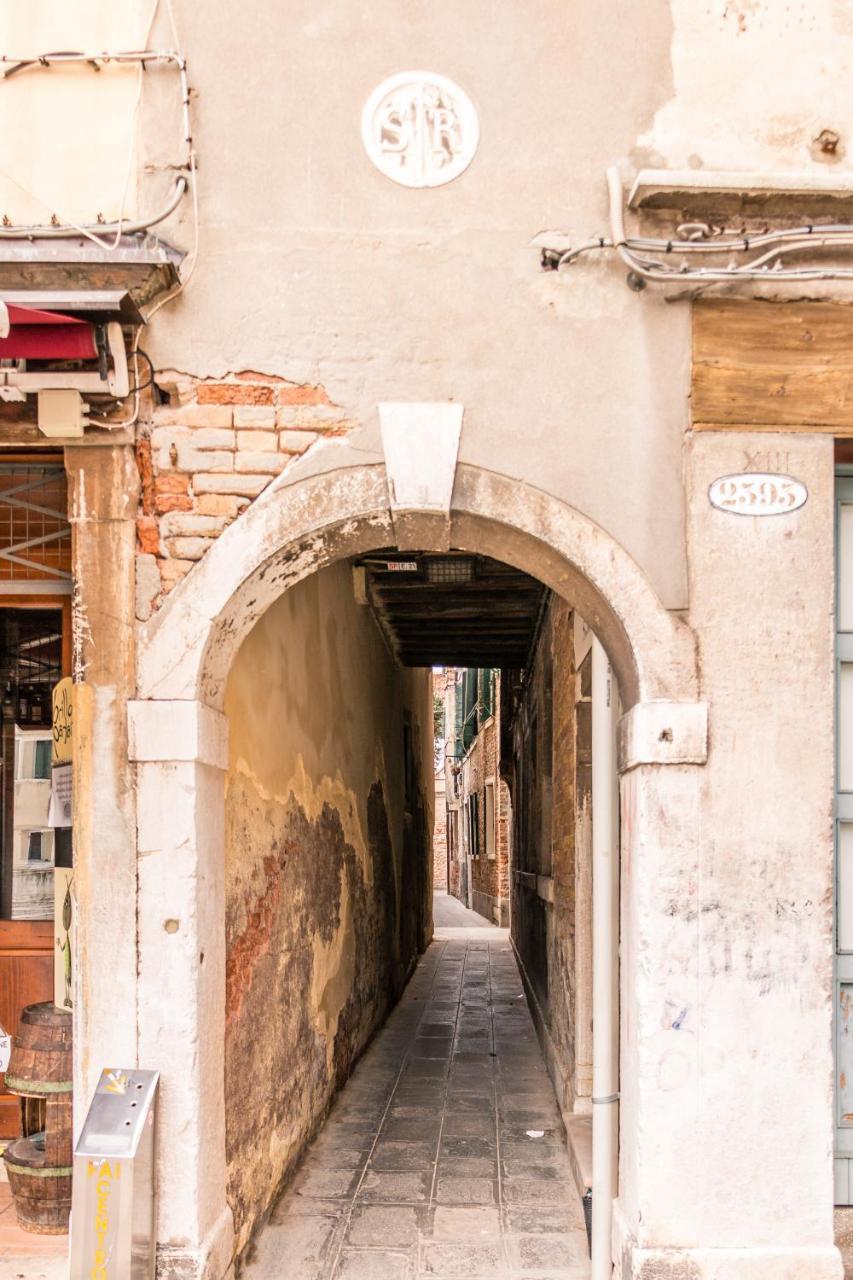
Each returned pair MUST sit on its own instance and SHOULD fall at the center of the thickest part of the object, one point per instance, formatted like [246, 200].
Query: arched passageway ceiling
[294, 529]
[453, 608]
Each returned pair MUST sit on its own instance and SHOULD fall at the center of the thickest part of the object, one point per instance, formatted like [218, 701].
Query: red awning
[47, 335]
[30, 315]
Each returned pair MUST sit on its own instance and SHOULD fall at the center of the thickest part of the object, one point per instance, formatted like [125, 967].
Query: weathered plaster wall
[314, 267]
[327, 868]
[756, 910]
[779, 95]
[727, 904]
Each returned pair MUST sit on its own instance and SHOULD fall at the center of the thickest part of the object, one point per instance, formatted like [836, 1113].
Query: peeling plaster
[312, 797]
[325, 885]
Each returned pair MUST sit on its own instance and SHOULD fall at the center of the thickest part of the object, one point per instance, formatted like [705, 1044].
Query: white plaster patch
[761, 122]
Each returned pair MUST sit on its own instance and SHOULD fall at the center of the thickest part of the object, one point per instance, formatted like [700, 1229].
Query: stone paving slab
[444, 1156]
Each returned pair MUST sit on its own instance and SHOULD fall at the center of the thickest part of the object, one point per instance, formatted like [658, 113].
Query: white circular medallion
[420, 129]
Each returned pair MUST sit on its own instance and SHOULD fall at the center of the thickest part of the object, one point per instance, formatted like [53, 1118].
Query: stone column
[726, 1140]
[103, 493]
[181, 750]
[659, 1005]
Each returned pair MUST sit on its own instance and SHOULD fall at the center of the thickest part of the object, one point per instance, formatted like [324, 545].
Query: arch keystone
[421, 445]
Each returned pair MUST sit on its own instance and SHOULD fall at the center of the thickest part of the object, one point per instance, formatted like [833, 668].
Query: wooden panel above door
[766, 366]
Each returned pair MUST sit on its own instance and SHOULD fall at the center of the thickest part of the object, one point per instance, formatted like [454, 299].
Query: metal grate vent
[452, 569]
[35, 536]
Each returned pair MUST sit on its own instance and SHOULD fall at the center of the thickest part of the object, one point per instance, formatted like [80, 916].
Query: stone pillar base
[767, 1263]
[210, 1261]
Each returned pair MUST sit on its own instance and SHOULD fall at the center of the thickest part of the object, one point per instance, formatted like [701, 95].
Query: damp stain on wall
[326, 871]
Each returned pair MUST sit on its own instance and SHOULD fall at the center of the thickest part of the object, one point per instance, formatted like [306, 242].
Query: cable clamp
[603, 1102]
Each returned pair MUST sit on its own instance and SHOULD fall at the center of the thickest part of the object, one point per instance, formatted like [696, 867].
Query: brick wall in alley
[439, 834]
[206, 454]
[488, 875]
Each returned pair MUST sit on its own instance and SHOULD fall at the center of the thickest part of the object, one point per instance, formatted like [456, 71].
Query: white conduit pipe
[605, 960]
[758, 269]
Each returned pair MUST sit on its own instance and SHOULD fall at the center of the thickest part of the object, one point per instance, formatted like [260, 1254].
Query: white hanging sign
[754, 493]
[420, 129]
[59, 808]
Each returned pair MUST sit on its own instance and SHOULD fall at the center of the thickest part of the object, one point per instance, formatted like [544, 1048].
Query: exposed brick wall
[206, 455]
[482, 765]
[439, 835]
[489, 876]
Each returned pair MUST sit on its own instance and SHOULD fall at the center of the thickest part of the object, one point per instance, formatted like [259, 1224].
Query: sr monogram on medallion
[420, 129]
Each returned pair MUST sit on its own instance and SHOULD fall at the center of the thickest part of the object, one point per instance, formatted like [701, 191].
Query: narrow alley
[444, 1155]
[448, 913]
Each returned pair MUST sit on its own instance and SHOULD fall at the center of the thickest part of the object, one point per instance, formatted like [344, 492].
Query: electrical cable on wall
[667, 261]
[121, 227]
[96, 59]
[186, 275]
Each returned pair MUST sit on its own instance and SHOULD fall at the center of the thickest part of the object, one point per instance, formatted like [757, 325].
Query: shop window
[31, 663]
[33, 758]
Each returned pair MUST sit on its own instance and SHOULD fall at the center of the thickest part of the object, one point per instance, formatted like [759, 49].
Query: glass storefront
[30, 666]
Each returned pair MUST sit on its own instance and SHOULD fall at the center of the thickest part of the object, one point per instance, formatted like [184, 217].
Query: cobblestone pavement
[449, 913]
[444, 1155]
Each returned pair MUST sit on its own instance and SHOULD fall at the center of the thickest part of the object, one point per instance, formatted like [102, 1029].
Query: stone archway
[178, 738]
[294, 529]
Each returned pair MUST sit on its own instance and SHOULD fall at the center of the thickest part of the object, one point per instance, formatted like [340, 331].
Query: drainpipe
[605, 960]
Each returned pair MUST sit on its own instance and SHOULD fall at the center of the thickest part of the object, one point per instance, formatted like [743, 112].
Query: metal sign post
[112, 1215]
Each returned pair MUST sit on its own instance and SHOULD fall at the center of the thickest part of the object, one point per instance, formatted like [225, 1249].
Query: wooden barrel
[39, 1163]
[42, 1192]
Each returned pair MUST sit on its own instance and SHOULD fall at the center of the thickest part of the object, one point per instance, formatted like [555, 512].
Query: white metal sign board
[420, 129]
[757, 494]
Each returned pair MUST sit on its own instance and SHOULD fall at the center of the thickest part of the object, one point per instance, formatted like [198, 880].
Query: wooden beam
[814, 428]
[464, 656]
[763, 366]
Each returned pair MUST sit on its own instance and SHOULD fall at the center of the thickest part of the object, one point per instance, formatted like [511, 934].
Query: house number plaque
[757, 494]
[420, 129]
